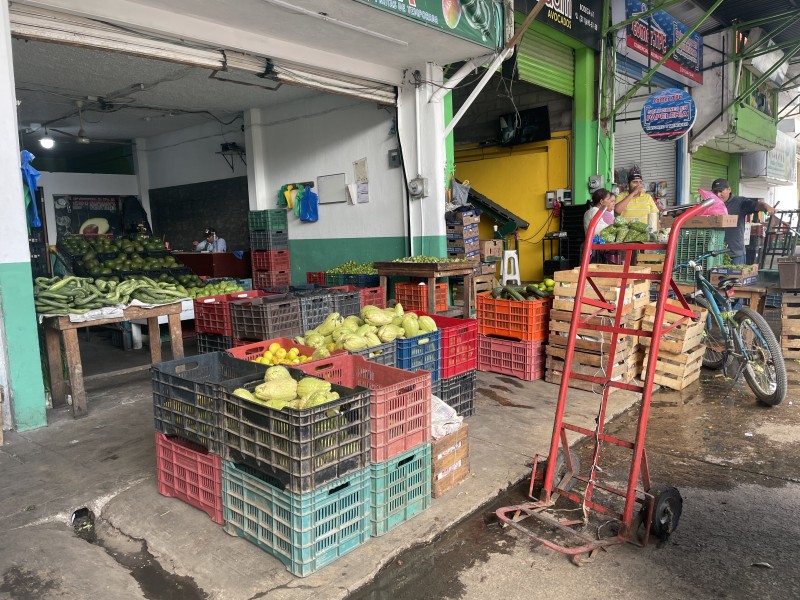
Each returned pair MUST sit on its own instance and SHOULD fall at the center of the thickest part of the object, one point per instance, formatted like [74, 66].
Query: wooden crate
[555, 376]
[635, 295]
[623, 371]
[592, 359]
[571, 276]
[790, 315]
[562, 328]
[679, 340]
[790, 346]
[676, 371]
[450, 461]
[652, 260]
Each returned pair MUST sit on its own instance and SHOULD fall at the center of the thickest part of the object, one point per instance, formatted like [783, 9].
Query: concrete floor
[155, 547]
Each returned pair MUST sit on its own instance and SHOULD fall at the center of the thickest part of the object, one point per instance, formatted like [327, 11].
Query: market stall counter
[57, 328]
[216, 264]
[430, 272]
[755, 293]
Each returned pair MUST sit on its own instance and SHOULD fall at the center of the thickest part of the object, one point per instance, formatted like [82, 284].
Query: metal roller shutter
[545, 62]
[703, 174]
[657, 160]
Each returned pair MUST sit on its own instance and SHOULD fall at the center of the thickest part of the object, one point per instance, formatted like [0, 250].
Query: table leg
[176, 336]
[58, 388]
[75, 369]
[762, 304]
[155, 340]
[136, 334]
[432, 296]
[468, 296]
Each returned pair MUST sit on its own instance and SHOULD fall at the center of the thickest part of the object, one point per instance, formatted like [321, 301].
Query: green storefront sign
[479, 21]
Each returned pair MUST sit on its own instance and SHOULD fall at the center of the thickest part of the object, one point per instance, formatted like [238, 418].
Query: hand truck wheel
[667, 508]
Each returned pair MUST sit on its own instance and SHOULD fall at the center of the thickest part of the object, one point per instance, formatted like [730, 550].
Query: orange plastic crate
[526, 320]
[415, 297]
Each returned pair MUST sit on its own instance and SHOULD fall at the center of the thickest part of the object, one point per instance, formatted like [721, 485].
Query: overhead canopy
[507, 222]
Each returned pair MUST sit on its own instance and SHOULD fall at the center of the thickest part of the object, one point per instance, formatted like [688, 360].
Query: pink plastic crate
[400, 401]
[525, 360]
[374, 296]
[246, 350]
[459, 344]
[270, 279]
[271, 260]
[187, 471]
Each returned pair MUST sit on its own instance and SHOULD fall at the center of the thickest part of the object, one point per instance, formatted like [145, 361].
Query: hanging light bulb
[46, 141]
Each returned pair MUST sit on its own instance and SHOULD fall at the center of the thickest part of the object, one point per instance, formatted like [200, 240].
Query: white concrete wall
[324, 135]
[82, 183]
[189, 155]
[713, 96]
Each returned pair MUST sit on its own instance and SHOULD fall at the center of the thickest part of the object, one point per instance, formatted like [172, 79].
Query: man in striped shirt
[636, 204]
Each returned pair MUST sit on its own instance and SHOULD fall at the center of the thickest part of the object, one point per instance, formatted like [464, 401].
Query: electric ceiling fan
[81, 136]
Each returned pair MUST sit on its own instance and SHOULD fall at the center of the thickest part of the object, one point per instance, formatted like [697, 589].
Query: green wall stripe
[584, 124]
[324, 254]
[22, 346]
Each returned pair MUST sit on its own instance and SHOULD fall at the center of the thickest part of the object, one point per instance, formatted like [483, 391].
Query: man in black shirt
[740, 206]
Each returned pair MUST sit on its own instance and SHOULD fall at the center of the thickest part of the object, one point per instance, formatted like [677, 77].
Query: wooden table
[430, 272]
[755, 293]
[216, 264]
[57, 328]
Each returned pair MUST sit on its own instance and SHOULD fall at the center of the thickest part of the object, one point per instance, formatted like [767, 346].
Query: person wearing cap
[212, 243]
[636, 204]
[740, 206]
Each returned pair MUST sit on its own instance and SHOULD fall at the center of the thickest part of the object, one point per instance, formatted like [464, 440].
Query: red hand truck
[660, 507]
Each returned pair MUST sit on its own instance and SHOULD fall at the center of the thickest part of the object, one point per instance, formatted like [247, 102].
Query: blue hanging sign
[668, 114]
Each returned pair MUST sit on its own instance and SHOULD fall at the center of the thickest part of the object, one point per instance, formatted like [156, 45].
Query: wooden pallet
[676, 371]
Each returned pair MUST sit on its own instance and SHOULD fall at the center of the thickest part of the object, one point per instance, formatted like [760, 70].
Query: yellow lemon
[303, 359]
[295, 361]
[268, 355]
[280, 353]
[274, 347]
[293, 353]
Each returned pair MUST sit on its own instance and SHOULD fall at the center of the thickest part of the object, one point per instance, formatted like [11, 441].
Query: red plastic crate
[272, 260]
[315, 277]
[459, 344]
[400, 401]
[187, 471]
[213, 313]
[526, 320]
[270, 279]
[415, 297]
[525, 360]
[252, 350]
[374, 296]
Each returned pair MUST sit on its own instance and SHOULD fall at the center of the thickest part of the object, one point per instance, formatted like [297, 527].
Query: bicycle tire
[713, 359]
[773, 359]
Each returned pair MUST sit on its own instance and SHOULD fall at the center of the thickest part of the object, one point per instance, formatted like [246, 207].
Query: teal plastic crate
[692, 243]
[304, 531]
[267, 220]
[401, 488]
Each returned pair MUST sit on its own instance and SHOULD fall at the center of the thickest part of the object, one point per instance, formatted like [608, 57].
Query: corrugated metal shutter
[703, 173]
[545, 62]
[657, 160]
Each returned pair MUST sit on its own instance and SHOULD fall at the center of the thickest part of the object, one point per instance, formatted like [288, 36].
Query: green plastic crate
[267, 220]
[304, 531]
[693, 243]
[401, 488]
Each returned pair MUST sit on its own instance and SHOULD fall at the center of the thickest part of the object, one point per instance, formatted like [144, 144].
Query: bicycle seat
[728, 283]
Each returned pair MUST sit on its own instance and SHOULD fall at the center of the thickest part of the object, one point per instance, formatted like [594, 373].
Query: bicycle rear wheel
[716, 354]
[765, 372]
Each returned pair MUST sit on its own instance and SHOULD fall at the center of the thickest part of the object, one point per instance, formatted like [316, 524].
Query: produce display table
[57, 328]
[216, 264]
[430, 272]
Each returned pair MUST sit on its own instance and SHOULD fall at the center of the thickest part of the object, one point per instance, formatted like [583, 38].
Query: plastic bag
[444, 418]
[718, 208]
[309, 205]
[460, 192]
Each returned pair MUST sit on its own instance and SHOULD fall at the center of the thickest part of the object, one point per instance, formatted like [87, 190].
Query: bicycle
[742, 334]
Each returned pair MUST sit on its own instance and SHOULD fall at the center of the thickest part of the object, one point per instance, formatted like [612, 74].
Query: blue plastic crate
[304, 531]
[774, 300]
[421, 352]
[362, 281]
[401, 488]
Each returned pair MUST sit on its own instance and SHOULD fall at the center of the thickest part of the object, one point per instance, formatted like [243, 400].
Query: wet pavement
[735, 462]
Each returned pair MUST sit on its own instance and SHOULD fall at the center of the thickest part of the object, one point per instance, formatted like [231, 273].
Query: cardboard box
[471, 255]
[748, 274]
[491, 248]
[456, 232]
[464, 246]
[462, 218]
[449, 461]
[706, 222]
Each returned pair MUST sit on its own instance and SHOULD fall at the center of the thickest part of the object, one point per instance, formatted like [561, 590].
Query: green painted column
[22, 346]
[584, 123]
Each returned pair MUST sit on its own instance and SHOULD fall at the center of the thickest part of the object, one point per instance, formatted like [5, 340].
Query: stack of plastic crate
[400, 435]
[213, 323]
[188, 423]
[512, 335]
[592, 356]
[693, 243]
[296, 482]
[269, 248]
